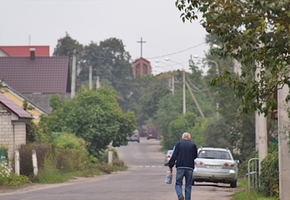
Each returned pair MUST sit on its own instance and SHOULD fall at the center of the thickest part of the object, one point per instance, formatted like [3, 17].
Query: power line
[177, 51]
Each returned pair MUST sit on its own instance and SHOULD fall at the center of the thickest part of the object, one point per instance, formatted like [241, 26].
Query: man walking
[184, 154]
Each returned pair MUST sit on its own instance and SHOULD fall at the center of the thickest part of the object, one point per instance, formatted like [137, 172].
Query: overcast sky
[157, 22]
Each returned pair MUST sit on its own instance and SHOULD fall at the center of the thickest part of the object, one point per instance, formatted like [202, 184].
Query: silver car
[215, 165]
[134, 137]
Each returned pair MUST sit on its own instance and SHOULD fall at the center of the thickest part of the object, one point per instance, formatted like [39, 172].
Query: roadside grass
[51, 175]
[243, 193]
[59, 177]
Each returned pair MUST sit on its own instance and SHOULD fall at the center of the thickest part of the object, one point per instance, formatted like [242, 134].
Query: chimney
[32, 53]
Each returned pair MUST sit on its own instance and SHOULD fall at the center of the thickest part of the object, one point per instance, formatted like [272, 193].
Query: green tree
[111, 62]
[256, 34]
[199, 85]
[151, 90]
[178, 126]
[66, 45]
[185, 123]
[94, 116]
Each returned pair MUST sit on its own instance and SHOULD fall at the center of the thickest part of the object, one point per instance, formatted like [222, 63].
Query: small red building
[141, 67]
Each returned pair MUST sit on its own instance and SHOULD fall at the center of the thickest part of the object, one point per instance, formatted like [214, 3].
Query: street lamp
[217, 71]
[215, 46]
[171, 78]
[209, 60]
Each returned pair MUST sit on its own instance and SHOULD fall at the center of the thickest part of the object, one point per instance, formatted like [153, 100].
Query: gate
[253, 173]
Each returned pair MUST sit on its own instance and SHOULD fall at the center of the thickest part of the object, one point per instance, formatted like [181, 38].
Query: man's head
[185, 136]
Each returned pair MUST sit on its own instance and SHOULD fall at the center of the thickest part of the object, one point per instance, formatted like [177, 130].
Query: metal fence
[253, 174]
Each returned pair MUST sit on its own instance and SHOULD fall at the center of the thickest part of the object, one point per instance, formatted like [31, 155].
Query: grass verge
[51, 176]
[243, 193]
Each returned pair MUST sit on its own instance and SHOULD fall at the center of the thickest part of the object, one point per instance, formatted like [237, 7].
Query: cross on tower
[141, 44]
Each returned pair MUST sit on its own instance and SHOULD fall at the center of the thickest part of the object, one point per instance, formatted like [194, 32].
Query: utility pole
[90, 77]
[172, 84]
[261, 137]
[283, 139]
[73, 76]
[183, 83]
[98, 82]
[184, 95]
[261, 130]
[195, 101]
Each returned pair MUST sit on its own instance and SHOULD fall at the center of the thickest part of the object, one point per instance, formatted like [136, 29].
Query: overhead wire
[170, 54]
[198, 90]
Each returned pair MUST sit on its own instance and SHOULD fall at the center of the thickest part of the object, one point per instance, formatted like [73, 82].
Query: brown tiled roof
[24, 51]
[41, 75]
[14, 108]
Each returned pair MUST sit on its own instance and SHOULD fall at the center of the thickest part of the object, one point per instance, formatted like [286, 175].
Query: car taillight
[199, 163]
[229, 165]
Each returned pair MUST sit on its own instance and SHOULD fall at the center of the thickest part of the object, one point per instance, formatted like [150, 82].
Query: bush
[25, 153]
[104, 167]
[269, 177]
[69, 160]
[67, 141]
[5, 172]
[118, 162]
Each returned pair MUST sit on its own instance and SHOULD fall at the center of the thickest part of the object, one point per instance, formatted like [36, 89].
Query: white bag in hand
[168, 178]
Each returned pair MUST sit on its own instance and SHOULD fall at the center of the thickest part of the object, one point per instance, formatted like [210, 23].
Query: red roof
[41, 75]
[12, 107]
[24, 51]
[141, 60]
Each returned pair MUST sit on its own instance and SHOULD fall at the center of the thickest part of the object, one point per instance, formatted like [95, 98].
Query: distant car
[215, 165]
[142, 133]
[135, 137]
[167, 157]
[151, 133]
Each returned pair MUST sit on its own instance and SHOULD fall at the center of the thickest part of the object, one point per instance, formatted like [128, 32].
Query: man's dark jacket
[184, 154]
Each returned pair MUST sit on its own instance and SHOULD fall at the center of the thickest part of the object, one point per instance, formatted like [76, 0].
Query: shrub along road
[143, 180]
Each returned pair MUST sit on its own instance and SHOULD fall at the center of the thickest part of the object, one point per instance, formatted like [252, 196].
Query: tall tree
[256, 33]
[111, 62]
[66, 45]
[151, 90]
[94, 116]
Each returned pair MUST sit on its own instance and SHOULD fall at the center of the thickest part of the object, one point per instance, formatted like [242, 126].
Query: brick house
[12, 125]
[141, 67]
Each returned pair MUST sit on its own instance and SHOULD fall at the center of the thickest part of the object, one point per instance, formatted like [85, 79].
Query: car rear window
[214, 154]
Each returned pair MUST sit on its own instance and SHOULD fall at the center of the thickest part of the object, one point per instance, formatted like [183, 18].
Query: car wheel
[233, 184]
[192, 182]
[138, 141]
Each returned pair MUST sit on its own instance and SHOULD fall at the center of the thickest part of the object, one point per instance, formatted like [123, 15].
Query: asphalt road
[144, 180]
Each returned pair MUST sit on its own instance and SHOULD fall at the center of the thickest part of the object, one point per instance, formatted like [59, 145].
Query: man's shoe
[181, 197]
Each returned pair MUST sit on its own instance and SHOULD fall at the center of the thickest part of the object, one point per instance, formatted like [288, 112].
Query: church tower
[141, 66]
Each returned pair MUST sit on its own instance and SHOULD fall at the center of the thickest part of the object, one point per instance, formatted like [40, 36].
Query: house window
[145, 69]
[137, 70]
